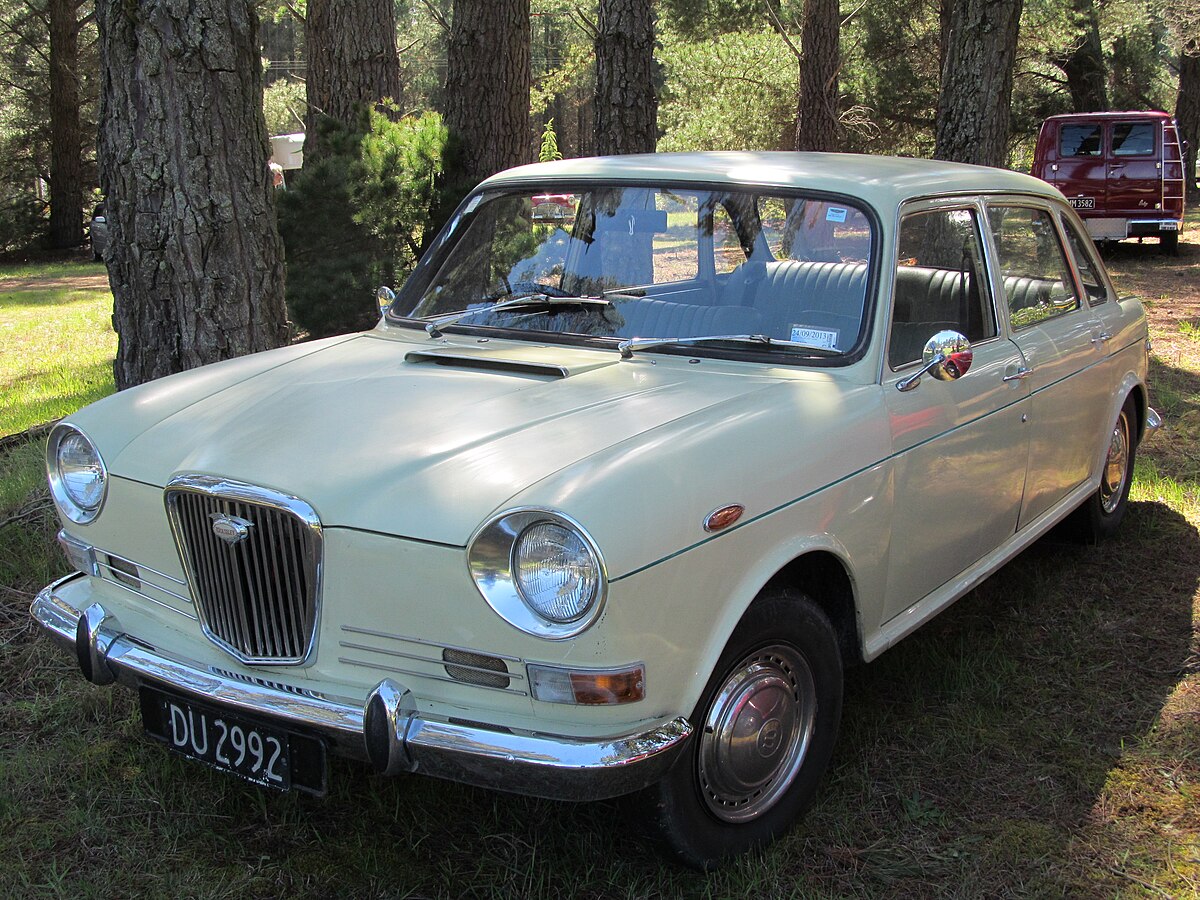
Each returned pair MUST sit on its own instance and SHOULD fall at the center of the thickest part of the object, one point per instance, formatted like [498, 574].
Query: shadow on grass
[974, 754]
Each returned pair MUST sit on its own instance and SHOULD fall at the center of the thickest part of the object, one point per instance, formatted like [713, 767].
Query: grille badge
[230, 529]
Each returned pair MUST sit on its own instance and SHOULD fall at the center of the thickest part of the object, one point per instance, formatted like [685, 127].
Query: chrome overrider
[386, 730]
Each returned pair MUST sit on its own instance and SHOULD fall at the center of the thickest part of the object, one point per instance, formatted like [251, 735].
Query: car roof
[883, 181]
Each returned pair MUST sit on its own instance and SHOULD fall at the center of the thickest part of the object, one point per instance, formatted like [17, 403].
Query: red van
[1122, 171]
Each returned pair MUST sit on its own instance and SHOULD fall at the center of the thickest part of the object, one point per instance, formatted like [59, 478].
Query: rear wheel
[765, 729]
[1168, 242]
[1101, 514]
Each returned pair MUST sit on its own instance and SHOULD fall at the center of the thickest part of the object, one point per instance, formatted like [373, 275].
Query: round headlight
[540, 571]
[555, 571]
[78, 479]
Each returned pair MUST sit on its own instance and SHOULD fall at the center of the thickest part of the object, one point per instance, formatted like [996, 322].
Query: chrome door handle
[1102, 338]
[1022, 372]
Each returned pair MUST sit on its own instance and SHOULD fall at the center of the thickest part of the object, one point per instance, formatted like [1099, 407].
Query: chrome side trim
[144, 596]
[413, 673]
[354, 629]
[523, 762]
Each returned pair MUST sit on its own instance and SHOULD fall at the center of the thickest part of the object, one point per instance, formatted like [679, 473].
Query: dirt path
[77, 282]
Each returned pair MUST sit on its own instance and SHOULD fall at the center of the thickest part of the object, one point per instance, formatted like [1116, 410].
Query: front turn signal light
[588, 687]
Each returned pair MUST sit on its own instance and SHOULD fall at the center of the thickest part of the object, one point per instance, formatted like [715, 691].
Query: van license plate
[1083, 202]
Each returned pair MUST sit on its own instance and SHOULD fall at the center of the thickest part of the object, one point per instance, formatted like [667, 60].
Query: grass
[57, 342]
[1039, 739]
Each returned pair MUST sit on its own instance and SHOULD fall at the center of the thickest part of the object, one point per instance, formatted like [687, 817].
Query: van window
[1079, 140]
[1133, 139]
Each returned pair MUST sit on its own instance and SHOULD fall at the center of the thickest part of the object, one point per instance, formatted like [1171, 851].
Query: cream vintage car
[608, 499]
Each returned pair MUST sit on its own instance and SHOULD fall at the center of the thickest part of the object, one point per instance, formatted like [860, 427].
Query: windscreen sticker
[835, 214]
[824, 338]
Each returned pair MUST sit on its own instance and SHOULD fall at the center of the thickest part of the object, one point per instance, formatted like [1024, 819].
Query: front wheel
[765, 729]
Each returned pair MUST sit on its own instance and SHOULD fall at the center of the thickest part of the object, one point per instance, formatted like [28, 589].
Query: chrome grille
[257, 594]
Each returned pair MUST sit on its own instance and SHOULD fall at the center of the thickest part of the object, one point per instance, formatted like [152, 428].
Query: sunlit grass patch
[56, 351]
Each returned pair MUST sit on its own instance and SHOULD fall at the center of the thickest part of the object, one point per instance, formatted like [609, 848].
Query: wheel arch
[825, 577]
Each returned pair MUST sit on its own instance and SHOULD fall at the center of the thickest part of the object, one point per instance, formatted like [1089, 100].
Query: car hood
[418, 439]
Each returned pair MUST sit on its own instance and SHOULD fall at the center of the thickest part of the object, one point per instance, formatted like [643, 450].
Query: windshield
[623, 262]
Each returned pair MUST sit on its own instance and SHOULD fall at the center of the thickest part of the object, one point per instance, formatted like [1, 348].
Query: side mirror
[947, 356]
[385, 297]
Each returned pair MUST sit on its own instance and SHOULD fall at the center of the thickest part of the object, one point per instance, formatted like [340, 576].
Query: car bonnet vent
[488, 362]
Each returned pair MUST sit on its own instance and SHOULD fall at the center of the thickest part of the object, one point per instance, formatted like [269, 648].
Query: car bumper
[386, 729]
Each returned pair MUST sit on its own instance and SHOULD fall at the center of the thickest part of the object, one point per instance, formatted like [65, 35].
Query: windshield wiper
[627, 347]
[525, 301]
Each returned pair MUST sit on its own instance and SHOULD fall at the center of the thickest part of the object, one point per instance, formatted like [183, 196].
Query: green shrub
[360, 217]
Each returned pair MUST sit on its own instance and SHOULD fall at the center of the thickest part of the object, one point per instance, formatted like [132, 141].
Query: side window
[1079, 140]
[1133, 139]
[941, 283]
[1083, 251]
[1037, 282]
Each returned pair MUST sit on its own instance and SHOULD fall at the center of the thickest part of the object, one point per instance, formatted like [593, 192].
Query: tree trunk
[487, 85]
[352, 62]
[626, 108]
[66, 142]
[1087, 75]
[817, 114]
[973, 111]
[196, 264]
[1187, 112]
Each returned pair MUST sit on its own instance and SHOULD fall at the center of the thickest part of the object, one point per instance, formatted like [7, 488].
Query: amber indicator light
[722, 518]
[608, 688]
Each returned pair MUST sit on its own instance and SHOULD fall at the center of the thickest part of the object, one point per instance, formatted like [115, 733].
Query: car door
[1064, 346]
[960, 447]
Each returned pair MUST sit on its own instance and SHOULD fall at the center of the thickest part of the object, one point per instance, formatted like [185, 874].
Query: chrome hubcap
[1116, 467]
[756, 734]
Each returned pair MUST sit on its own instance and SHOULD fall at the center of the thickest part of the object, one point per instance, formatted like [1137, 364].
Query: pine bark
[66, 133]
[973, 114]
[487, 85]
[626, 105]
[352, 62]
[1083, 64]
[817, 113]
[1187, 113]
[195, 261]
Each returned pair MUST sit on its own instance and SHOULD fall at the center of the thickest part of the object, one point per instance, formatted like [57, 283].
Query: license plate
[1083, 202]
[250, 750]
[1168, 226]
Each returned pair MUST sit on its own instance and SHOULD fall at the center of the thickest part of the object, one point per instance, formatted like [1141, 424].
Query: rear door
[1064, 346]
[1134, 167]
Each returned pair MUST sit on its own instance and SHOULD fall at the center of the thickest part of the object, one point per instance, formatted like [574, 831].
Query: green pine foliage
[549, 151]
[360, 217]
